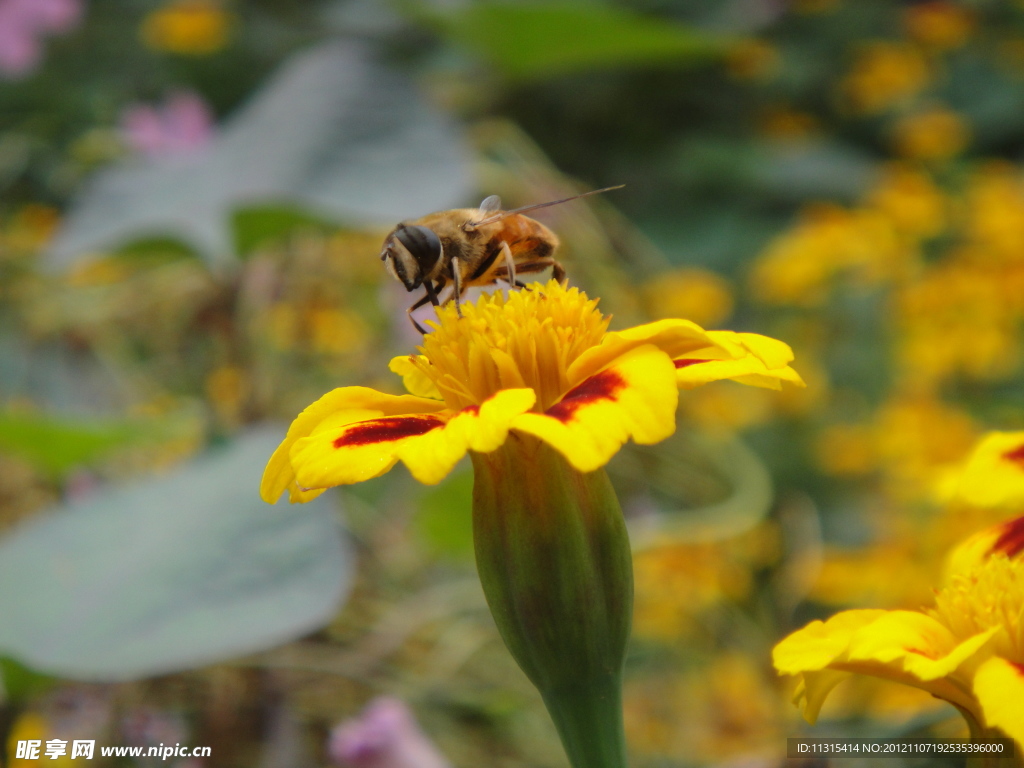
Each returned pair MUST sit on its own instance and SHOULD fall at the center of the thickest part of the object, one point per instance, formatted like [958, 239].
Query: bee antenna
[535, 206]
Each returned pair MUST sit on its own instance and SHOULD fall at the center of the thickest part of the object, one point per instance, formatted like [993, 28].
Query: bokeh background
[193, 194]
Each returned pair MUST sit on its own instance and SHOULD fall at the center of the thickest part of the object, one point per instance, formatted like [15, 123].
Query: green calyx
[555, 564]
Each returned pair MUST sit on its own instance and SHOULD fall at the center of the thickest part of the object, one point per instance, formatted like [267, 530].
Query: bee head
[410, 253]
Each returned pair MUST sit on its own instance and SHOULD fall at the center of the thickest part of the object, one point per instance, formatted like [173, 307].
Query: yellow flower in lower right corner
[968, 649]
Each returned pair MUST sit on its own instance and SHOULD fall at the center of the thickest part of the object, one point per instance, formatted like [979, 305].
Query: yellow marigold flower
[994, 474]
[188, 27]
[884, 74]
[939, 24]
[540, 362]
[935, 134]
[967, 650]
[541, 395]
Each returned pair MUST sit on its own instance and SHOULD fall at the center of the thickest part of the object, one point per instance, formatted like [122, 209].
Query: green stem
[589, 722]
[555, 564]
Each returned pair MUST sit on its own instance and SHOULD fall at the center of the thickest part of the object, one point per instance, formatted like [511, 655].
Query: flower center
[527, 339]
[989, 596]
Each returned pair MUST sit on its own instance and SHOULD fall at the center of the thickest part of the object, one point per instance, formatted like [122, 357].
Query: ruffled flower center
[991, 595]
[526, 339]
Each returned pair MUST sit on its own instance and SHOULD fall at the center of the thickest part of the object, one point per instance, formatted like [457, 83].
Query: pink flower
[22, 25]
[385, 735]
[182, 124]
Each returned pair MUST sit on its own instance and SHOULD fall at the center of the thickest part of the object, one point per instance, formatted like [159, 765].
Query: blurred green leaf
[18, 682]
[156, 249]
[443, 518]
[56, 445]
[334, 131]
[176, 572]
[532, 40]
[256, 227]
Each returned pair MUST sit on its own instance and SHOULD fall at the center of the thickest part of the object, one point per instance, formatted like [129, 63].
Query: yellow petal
[815, 688]
[1003, 539]
[482, 429]
[994, 474]
[354, 446]
[914, 643]
[821, 642]
[999, 688]
[758, 360]
[903, 646]
[279, 475]
[809, 652]
[410, 368]
[636, 397]
[674, 337]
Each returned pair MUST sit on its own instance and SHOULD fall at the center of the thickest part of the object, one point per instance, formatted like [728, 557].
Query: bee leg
[431, 295]
[408, 313]
[510, 266]
[558, 273]
[457, 284]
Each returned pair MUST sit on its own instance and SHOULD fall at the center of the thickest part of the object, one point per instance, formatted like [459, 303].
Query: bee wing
[490, 205]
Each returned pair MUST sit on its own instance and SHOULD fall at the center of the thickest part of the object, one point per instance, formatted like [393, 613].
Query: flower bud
[555, 564]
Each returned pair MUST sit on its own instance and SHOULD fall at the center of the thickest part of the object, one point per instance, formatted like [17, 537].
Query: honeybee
[471, 246]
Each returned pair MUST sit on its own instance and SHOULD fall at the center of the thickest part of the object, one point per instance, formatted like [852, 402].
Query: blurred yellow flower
[911, 200]
[939, 24]
[935, 134]
[30, 228]
[335, 331]
[753, 59]
[698, 294]
[889, 573]
[846, 450]
[34, 727]
[798, 266]
[188, 27]
[102, 270]
[675, 584]
[967, 650]
[781, 124]
[726, 710]
[955, 318]
[885, 74]
[913, 441]
[227, 388]
[995, 212]
[994, 474]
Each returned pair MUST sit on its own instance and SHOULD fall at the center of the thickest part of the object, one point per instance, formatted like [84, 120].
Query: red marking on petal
[1016, 455]
[688, 363]
[1011, 539]
[600, 386]
[927, 654]
[387, 430]
[1018, 668]
[473, 409]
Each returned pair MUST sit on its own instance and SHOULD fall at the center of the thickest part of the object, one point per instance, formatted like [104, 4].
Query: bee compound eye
[422, 244]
